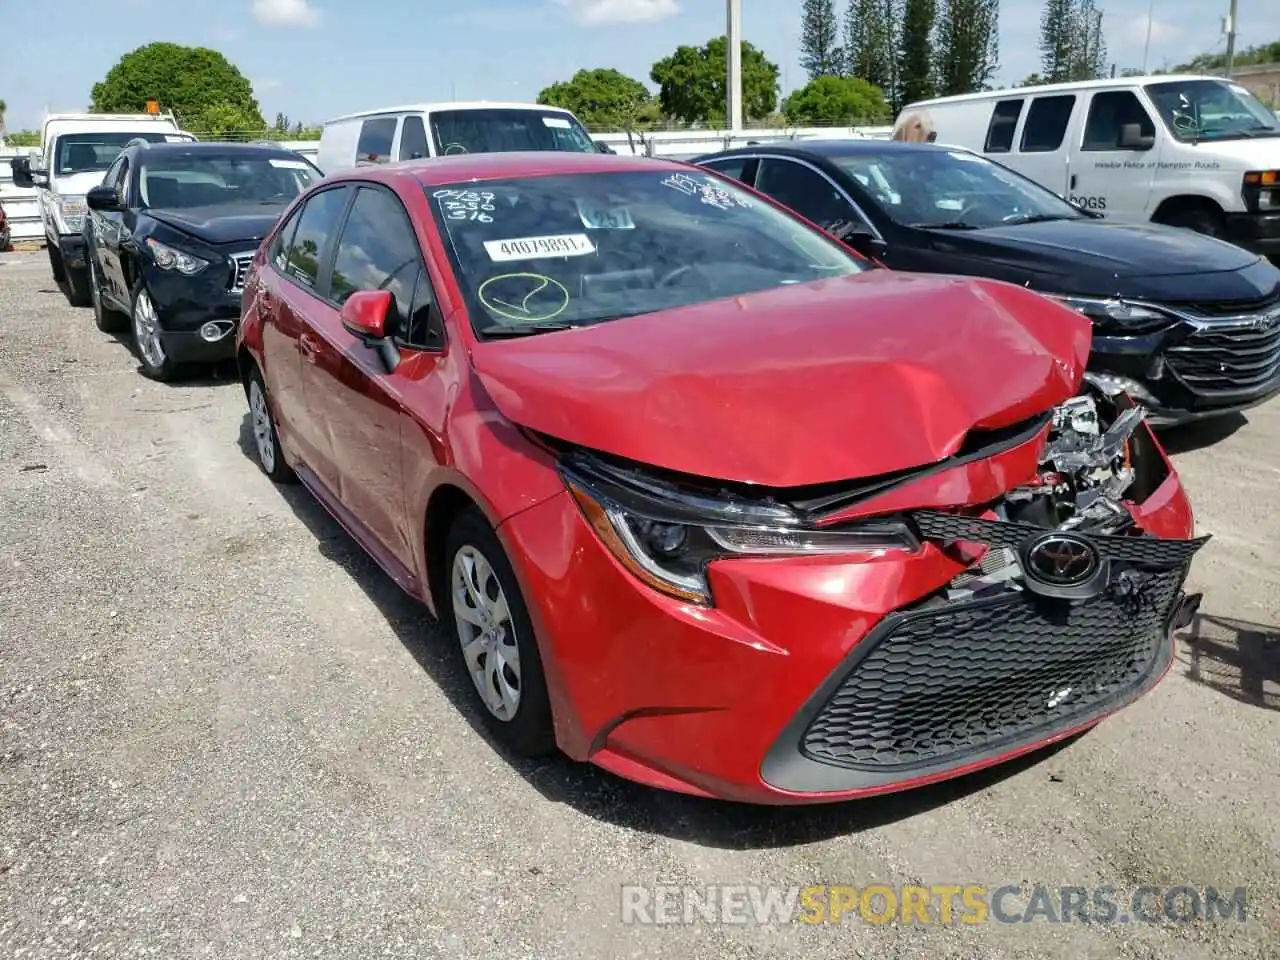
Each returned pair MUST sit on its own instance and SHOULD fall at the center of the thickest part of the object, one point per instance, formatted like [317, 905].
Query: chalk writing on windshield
[709, 191]
[524, 297]
[474, 205]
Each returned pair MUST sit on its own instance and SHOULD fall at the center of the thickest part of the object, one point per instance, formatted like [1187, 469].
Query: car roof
[443, 105]
[435, 171]
[211, 146]
[830, 148]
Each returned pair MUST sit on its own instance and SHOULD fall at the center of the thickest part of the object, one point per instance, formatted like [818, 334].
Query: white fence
[24, 216]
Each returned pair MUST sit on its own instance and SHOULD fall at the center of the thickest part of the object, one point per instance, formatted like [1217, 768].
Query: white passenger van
[445, 129]
[1188, 151]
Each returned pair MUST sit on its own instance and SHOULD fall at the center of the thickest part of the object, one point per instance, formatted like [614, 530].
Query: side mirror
[364, 316]
[602, 147]
[103, 199]
[858, 236]
[1131, 138]
[22, 177]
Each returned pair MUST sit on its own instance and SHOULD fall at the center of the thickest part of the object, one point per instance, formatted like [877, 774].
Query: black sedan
[169, 238]
[1187, 325]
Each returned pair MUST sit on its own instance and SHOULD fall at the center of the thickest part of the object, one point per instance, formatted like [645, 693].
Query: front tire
[495, 638]
[55, 262]
[78, 287]
[266, 439]
[148, 338]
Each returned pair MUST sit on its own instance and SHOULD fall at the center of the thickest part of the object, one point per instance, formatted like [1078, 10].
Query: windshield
[587, 248]
[504, 131]
[950, 188]
[1211, 110]
[204, 179]
[86, 152]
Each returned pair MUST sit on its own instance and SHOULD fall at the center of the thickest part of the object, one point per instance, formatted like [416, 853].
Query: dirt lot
[224, 733]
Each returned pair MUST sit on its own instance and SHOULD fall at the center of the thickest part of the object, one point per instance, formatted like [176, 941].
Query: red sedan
[702, 496]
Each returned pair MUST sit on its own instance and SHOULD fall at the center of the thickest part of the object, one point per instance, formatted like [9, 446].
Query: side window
[1047, 123]
[732, 167]
[316, 227]
[805, 191]
[376, 136]
[1108, 114]
[413, 139]
[378, 251]
[426, 331]
[1004, 120]
[280, 245]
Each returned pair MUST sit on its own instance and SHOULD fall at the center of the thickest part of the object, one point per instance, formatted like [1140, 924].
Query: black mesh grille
[1227, 360]
[1140, 549]
[959, 679]
[1231, 308]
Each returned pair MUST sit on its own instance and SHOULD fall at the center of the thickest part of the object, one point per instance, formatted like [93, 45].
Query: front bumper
[1195, 369]
[1259, 232]
[185, 305]
[740, 701]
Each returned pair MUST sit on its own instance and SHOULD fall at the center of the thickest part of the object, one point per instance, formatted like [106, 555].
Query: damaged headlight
[1115, 314]
[666, 537]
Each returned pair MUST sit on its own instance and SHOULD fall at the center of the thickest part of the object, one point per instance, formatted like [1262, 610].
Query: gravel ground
[223, 732]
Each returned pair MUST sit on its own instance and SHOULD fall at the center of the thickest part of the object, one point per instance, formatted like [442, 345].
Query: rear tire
[78, 287]
[495, 638]
[106, 319]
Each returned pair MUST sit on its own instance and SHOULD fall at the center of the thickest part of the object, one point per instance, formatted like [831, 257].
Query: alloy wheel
[263, 431]
[146, 331]
[486, 632]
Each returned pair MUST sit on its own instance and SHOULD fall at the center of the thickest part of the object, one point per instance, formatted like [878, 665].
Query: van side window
[1004, 119]
[1047, 123]
[413, 139]
[1108, 114]
[374, 145]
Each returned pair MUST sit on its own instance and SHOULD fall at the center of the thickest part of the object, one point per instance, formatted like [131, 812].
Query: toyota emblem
[1062, 559]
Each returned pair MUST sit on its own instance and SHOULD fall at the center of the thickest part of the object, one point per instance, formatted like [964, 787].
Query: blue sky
[313, 59]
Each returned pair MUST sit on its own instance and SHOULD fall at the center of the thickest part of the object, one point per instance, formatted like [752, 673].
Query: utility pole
[1146, 47]
[733, 54]
[1231, 38]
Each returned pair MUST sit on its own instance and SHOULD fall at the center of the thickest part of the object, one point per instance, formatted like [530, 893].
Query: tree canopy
[692, 83]
[836, 100]
[603, 98]
[820, 53]
[206, 92]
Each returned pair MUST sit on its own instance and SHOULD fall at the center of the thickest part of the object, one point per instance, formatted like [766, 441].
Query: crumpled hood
[224, 223]
[833, 380]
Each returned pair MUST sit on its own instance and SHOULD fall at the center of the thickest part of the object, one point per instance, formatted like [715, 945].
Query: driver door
[1107, 178]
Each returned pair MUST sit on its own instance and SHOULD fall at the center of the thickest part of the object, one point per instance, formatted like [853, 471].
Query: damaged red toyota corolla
[700, 496]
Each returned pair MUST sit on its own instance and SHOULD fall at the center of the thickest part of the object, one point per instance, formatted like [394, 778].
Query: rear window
[590, 248]
[503, 131]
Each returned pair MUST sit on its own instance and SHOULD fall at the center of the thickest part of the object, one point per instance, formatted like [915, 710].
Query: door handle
[1071, 185]
[307, 346]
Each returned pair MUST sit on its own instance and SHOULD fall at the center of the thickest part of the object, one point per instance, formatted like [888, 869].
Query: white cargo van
[443, 129]
[1190, 151]
[75, 151]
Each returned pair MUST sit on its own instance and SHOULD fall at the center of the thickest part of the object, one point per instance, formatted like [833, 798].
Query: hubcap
[146, 331]
[262, 429]
[487, 635]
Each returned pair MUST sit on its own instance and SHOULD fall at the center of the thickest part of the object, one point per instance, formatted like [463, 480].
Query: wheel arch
[1183, 202]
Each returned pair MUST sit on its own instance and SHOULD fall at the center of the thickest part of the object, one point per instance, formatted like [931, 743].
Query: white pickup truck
[75, 151]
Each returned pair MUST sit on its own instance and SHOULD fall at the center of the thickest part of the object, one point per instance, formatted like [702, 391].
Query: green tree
[967, 45]
[3, 107]
[601, 98]
[1058, 40]
[1249, 56]
[222, 121]
[836, 100]
[691, 83]
[1089, 57]
[187, 80]
[915, 51]
[1032, 80]
[820, 54]
[868, 43]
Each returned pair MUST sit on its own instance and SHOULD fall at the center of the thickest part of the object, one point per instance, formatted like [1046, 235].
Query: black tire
[55, 263]
[166, 369]
[1198, 219]
[270, 455]
[78, 287]
[528, 731]
[105, 319]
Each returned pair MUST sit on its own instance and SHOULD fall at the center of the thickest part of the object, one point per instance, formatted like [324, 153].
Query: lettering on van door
[1098, 203]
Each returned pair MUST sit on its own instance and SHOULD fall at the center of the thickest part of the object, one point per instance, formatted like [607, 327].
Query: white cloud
[1134, 30]
[285, 13]
[597, 12]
